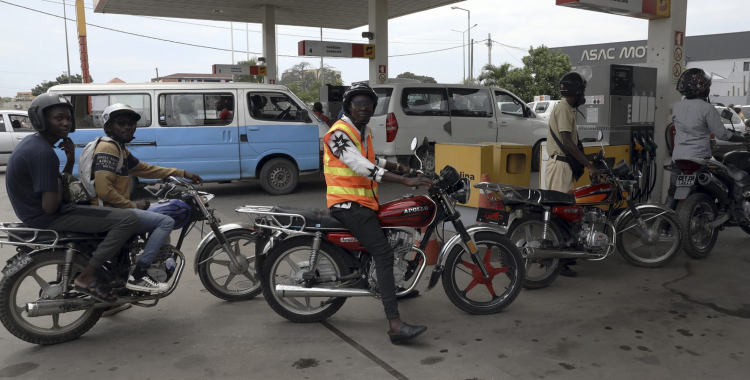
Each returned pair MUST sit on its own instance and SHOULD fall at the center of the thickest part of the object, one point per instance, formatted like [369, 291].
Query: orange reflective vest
[344, 184]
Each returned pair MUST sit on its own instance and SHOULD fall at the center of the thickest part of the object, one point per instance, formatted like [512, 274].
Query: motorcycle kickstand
[309, 276]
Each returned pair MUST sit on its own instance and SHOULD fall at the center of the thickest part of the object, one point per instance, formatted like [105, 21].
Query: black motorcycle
[38, 281]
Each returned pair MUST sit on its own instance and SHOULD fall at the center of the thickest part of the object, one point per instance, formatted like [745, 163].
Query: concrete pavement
[688, 320]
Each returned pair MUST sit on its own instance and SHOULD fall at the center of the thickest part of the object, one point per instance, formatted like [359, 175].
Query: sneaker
[146, 284]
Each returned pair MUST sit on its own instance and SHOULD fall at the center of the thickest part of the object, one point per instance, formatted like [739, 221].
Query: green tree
[62, 79]
[421, 78]
[540, 75]
[248, 78]
[304, 80]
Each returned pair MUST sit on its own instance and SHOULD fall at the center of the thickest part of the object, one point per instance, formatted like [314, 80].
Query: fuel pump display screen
[621, 81]
[336, 93]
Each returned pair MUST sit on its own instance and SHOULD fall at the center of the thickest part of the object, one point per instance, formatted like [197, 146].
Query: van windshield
[384, 101]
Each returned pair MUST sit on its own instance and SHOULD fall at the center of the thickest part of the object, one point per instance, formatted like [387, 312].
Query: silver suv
[14, 126]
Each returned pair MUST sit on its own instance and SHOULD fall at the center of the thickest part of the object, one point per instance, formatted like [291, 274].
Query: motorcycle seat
[548, 197]
[47, 236]
[315, 218]
[736, 174]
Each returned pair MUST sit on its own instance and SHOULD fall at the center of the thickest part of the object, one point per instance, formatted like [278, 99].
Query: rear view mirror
[726, 114]
[414, 144]
[599, 136]
[303, 115]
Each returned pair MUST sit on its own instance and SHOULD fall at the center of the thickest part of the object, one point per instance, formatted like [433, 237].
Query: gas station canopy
[333, 14]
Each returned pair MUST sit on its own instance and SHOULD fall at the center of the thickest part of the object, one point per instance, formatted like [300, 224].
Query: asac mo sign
[611, 53]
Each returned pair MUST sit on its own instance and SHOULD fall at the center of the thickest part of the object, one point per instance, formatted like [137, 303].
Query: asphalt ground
[688, 320]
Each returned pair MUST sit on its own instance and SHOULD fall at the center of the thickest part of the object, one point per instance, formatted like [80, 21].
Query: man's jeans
[363, 223]
[160, 226]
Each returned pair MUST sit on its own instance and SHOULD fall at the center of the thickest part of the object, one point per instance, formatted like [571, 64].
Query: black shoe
[407, 332]
[567, 272]
[412, 294]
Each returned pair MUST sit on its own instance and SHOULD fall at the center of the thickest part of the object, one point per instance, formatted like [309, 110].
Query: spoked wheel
[41, 280]
[286, 264]
[529, 232]
[467, 288]
[697, 213]
[221, 277]
[662, 246]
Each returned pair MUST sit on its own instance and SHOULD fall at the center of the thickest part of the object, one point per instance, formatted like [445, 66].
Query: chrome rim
[29, 288]
[224, 276]
[529, 234]
[663, 232]
[288, 269]
[280, 177]
[700, 233]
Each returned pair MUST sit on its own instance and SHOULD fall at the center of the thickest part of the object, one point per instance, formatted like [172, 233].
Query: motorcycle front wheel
[662, 248]
[220, 276]
[467, 288]
[33, 283]
[696, 213]
[286, 263]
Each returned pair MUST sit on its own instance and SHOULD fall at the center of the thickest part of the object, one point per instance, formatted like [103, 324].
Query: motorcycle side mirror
[414, 144]
[599, 136]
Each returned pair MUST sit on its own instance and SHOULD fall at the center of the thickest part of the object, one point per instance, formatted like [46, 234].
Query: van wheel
[279, 176]
[536, 156]
[428, 160]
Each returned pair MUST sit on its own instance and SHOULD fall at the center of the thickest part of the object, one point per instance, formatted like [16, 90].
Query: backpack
[86, 164]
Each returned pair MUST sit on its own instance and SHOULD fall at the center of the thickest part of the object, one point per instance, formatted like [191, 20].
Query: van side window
[89, 108]
[470, 102]
[190, 110]
[384, 101]
[425, 102]
[508, 104]
[20, 123]
[541, 107]
[273, 106]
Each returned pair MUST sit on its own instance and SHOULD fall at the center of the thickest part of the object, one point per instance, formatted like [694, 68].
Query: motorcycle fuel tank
[603, 193]
[416, 212]
[175, 209]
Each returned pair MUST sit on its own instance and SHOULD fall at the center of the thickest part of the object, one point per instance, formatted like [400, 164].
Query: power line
[433, 51]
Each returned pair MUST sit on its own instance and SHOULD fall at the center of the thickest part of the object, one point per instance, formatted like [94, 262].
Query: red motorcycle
[310, 263]
[585, 224]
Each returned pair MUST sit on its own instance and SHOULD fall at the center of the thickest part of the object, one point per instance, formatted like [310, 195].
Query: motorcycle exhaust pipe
[44, 308]
[713, 186]
[301, 291]
[539, 253]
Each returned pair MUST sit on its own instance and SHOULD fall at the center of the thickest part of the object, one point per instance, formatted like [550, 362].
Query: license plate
[490, 216]
[16, 264]
[685, 180]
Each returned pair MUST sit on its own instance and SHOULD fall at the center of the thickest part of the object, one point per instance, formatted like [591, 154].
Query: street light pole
[463, 47]
[67, 51]
[468, 25]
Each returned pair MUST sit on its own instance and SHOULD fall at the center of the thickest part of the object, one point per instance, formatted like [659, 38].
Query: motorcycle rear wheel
[525, 231]
[697, 210]
[29, 284]
[492, 247]
[285, 263]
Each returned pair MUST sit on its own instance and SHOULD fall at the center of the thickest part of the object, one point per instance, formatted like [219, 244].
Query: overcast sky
[34, 43]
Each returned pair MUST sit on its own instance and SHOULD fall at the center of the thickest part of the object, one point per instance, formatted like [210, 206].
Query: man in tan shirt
[113, 189]
[562, 122]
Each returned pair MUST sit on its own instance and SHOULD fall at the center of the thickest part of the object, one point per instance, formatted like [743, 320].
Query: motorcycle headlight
[462, 191]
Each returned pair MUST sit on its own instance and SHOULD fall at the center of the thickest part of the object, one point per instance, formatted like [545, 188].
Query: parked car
[543, 109]
[446, 113]
[14, 126]
[270, 134]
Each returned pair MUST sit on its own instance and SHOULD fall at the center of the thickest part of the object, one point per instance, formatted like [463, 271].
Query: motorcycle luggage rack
[9, 231]
[510, 192]
[270, 221]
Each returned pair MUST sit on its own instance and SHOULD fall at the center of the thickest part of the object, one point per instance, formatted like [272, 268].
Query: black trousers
[363, 223]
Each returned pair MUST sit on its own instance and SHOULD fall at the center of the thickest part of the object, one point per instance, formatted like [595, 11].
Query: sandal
[98, 291]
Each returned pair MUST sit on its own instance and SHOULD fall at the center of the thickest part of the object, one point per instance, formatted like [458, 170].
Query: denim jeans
[159, 226]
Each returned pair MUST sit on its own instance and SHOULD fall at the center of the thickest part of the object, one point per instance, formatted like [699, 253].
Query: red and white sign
[335, 49]
[382, 74]
[679, 38]
[238, 69]
[678, 61]
[272, 81]
[382, 69]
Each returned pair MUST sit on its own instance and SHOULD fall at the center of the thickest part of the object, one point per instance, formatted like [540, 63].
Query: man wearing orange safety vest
[352, 175]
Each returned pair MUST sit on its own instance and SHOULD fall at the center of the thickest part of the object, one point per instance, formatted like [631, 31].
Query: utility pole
[320, 73]
[489, 49]
[67, 51]
[82, 44]
[471, 63]
[157, 74]
[231, 28]
[247, 38]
